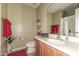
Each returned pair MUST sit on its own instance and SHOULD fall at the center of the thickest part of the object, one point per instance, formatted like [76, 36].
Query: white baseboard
[17, 49]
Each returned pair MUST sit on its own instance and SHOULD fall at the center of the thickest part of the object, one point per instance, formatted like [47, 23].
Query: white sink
[56, 42]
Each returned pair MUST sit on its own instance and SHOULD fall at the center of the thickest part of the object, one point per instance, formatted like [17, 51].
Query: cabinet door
[50, 51]
[43, 49]
[47, 50]
[40, 48]
[59, 53]
[37, 47]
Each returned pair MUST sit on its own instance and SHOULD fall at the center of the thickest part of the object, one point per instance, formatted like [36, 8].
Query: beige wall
[3, 40]
[28, 22]
[14, 15]
[23, 20]
[42, 14]
[56, 17]
[0, 29]
[49, 22]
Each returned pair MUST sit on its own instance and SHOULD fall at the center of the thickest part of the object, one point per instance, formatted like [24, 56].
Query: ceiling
[58, 6]
[52, 7]
[35, 5]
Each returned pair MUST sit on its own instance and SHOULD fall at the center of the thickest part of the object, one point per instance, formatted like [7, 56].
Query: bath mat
[21, 52]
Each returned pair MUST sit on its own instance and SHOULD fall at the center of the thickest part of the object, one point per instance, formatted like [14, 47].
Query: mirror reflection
[63, 19]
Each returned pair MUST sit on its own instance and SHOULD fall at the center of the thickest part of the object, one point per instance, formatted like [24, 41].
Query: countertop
[71, 51]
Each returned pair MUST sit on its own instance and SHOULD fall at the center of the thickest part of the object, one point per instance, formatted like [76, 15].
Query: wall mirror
[66, 16]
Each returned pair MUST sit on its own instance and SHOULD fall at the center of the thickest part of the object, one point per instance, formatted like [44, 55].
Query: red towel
[6, 28]
[54, 29]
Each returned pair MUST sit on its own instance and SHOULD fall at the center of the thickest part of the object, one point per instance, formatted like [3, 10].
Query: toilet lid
[30, 44]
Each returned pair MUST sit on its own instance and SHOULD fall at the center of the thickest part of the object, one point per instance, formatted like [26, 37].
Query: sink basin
[56, 42]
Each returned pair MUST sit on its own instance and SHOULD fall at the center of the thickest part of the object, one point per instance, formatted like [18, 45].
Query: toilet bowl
[30, 46]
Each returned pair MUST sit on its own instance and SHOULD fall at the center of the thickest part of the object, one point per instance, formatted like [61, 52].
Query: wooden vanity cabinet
[40, 48]
[60, 53]
[37, 46]
[43, 49]
[50, 51]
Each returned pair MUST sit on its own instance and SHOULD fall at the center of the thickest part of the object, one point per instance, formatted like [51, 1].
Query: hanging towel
[7, 28]
[54, 28]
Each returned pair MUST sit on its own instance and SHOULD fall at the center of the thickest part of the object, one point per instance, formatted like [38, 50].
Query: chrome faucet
[66, 39]
[58, 37]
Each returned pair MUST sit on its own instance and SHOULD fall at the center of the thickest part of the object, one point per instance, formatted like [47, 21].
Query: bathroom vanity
[44, 47]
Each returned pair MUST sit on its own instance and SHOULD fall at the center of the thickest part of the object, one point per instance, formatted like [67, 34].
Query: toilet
[30, 47]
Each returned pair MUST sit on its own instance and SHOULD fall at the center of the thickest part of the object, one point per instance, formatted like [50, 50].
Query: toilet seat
[30, 44]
